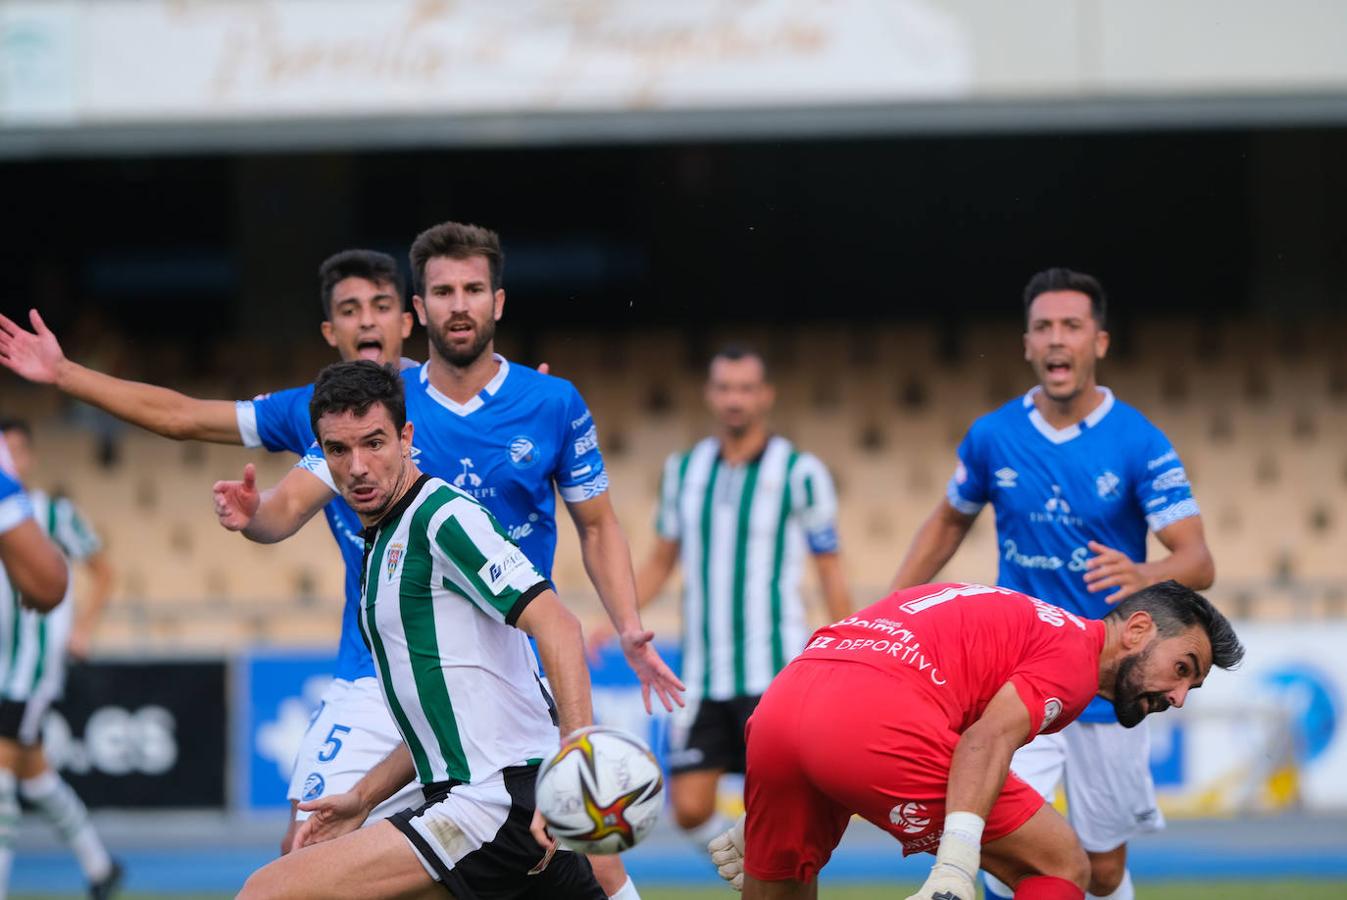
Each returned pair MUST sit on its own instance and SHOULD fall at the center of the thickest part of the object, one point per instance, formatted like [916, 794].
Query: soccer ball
[602, 792]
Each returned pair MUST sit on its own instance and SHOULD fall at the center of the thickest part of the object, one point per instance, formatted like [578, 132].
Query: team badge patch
[523, 451]
[394, 557]
[313, 787]
[1052, 708]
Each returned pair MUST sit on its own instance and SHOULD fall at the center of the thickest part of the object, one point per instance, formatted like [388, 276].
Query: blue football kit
[523, 438]
[1108, 479]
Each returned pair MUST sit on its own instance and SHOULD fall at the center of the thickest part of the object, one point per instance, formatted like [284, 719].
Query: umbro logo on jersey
[1006, 477]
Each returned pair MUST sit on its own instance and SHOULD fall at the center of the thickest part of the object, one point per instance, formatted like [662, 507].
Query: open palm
[35, 355]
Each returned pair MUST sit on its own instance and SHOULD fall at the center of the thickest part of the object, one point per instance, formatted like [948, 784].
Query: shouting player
[934, 688]
[447, 599]
[363, 318]
[739, 511]
[33, 648]
[1076, 478]
[509, 436]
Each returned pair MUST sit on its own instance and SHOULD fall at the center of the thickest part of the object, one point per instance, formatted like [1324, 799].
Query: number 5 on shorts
[332, 745]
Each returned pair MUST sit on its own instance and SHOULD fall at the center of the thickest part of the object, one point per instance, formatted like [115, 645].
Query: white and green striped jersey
[33, 644]
[441, 590]
[743, 532]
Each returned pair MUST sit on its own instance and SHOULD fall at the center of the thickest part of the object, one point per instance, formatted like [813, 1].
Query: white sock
[9, 826]
[626, 892]
[61, 806]
[996, 887]
[713, 827]
[1124, 890]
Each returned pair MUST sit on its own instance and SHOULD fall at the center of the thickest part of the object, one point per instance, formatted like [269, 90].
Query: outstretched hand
[329, 818]
[1113, 568]
[34, 355]
[653, 672]
[236, 502]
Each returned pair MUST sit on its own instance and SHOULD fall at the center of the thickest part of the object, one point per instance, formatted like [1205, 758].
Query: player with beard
[935, 686]
[739, 511]
[505, 434]
[1076, 478]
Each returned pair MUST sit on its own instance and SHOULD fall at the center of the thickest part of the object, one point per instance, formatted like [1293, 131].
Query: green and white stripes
[741, 534]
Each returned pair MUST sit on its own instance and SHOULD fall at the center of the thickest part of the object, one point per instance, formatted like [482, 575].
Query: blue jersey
[15, 506]
[1107, 479]
[522, 439]
[280, 421]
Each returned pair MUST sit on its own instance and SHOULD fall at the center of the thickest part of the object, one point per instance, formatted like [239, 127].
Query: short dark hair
[370, 265]
[22, 426]
[456, 240]
[355, 386]
[1058, 279]
[735, 352]
[1175, 608]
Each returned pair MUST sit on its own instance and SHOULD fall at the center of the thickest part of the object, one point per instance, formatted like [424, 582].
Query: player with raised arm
[740, 511]
[1076, 478]
[33, 648]
[364, 317]
[935, 687]
[447, 599]
[508, 435]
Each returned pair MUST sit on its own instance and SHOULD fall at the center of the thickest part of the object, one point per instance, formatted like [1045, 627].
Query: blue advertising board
[277, 694]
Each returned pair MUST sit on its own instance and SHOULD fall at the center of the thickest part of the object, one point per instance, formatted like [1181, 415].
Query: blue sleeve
[580, 475]
[278, 421]
[1161, 489]
[967, 491]
[14, 504]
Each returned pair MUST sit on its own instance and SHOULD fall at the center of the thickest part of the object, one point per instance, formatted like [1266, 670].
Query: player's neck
[410, 473]
[461, 383]
[744, 446]
[1109, 657]
[1071, 411]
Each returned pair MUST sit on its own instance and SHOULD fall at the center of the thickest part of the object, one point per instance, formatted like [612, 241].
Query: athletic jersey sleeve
[580, 474]
[967, 490]
[314, 462]
[486, 566]
[1058, 681]
[815, 503]
[15, 506]
[1161, 489]
[668, 523]
[278, 421]
[72, 531]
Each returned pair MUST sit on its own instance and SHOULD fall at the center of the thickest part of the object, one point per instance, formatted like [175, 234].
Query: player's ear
[420, 306]
[1101, 341]
[328, 334]
[406, 437]
[500, 303]
[768, 395]
[1137, 629]
[1027, 356]
[406, 324]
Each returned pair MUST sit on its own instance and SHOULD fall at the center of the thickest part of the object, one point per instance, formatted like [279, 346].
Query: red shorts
[830, 739]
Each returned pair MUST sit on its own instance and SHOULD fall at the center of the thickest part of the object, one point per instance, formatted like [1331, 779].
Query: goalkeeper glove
[727, 852]
[954, 875]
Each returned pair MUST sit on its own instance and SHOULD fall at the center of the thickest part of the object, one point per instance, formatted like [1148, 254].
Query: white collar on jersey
[1062, 435]
[467, 409]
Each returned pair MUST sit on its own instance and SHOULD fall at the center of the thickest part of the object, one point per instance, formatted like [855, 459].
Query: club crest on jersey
[1006, 477]
[911, 817]
[1107, 485]
[523, 451]
[1052, 708]
[394, 557]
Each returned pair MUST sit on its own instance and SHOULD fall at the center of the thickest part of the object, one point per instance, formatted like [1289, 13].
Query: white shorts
[350, 733]
[475, 840]
[1110, 797]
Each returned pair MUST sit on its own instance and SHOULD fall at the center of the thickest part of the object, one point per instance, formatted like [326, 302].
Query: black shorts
[476, 840]
[13, 716]
[715, 739]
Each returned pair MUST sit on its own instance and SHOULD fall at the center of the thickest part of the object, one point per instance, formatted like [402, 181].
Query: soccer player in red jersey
[908, 712]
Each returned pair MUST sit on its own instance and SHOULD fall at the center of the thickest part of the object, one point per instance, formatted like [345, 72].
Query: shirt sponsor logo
[470, 482]
[1049, 562]
[1052, 708]
[587, 441]
[1159, 461]
[901, 644]
[523, 451]
[496, 572]
[1171, 478]
[584, 417]
[1056, 510]
[1106, 485]
[1006, 477]
[394, 557]
[911, 817]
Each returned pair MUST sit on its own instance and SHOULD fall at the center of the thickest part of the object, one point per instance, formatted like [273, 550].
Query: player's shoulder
[543, 385]
[1009, 414]
[298, 393]
[1132, 422]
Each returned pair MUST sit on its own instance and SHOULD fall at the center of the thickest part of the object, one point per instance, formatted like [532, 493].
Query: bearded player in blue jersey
[1076, 478]
[506, 434]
